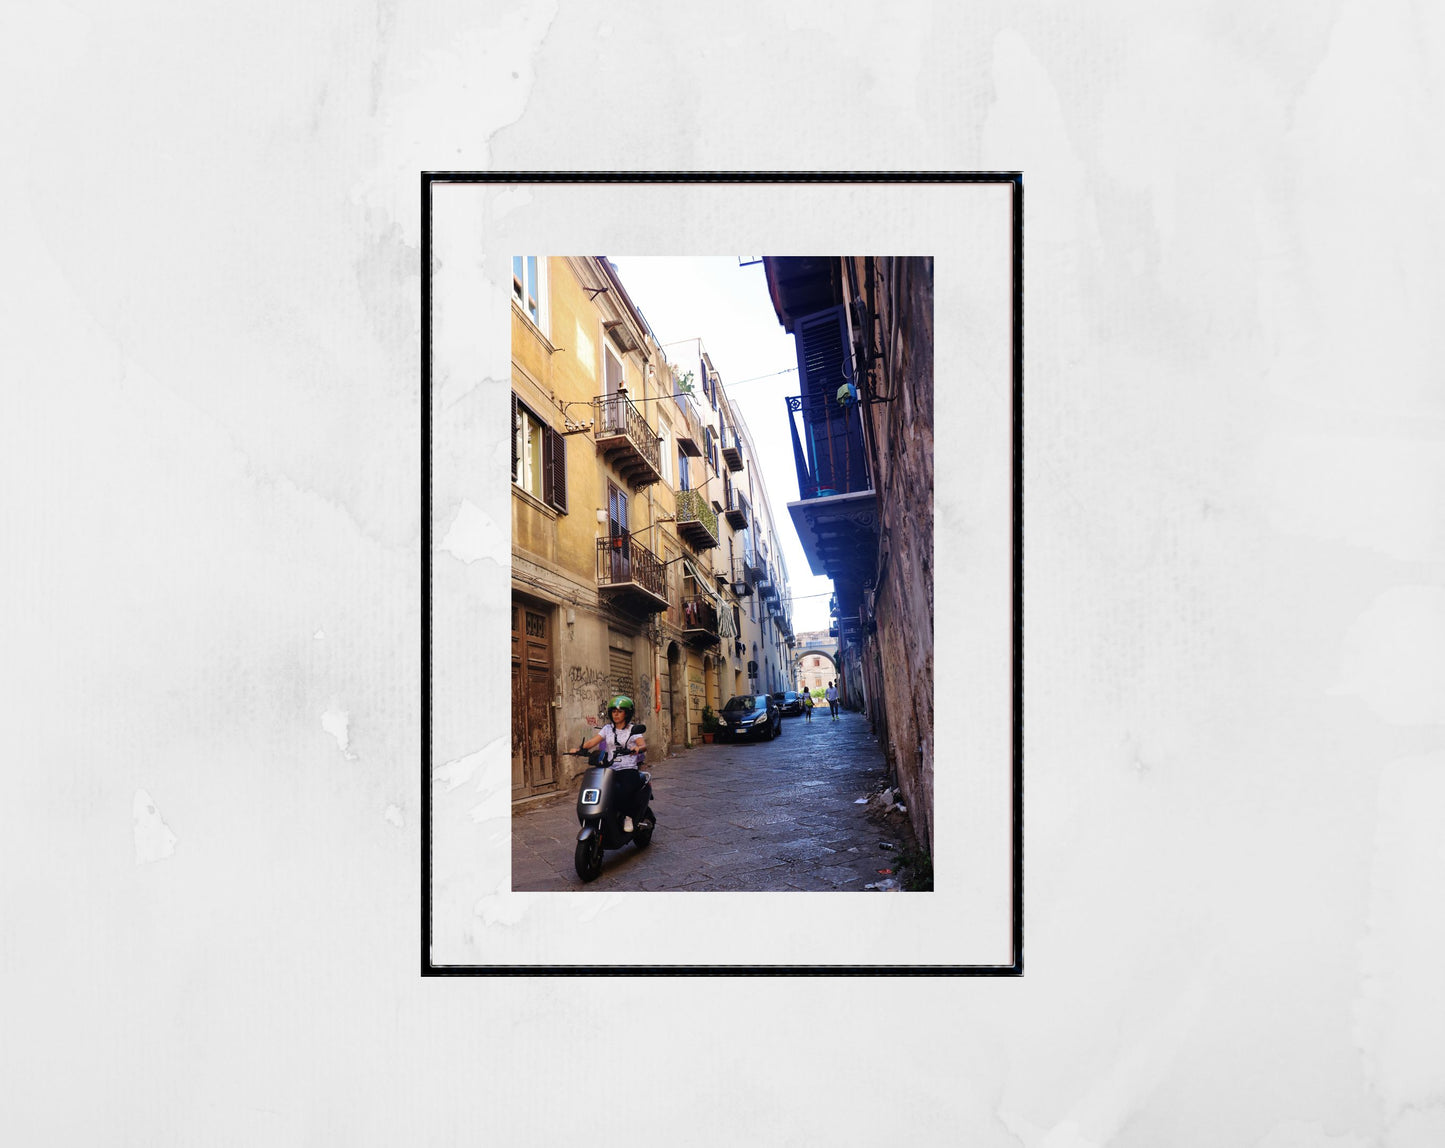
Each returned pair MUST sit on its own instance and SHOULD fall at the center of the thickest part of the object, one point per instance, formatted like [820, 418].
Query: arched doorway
[813, 668]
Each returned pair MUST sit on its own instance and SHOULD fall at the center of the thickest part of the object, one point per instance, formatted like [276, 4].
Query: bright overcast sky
[727, 307]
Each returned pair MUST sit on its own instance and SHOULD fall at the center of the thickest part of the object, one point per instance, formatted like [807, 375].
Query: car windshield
[746, 702]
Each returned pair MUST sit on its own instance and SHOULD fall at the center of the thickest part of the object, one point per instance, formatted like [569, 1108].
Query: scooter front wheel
[588, 857]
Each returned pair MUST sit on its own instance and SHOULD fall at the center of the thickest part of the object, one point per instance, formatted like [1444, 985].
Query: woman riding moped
[624, 750]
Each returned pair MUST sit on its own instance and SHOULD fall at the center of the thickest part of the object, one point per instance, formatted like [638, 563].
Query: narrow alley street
[780, 815]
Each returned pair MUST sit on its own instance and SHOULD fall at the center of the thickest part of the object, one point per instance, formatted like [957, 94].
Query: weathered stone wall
[904, 476]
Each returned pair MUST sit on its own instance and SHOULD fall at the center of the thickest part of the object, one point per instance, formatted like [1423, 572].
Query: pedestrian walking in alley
[832, 696]
[808, 705]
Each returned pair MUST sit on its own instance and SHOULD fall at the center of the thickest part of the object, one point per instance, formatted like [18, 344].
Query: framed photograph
[723, 573]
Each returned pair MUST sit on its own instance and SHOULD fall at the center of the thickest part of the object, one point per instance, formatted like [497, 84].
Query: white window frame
[530, 429]
[664, 432]
[520, 288]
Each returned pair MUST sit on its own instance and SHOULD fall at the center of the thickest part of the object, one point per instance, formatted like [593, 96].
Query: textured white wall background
[209, 330]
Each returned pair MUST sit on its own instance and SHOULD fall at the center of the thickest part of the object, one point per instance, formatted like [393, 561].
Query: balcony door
[620, 548]
[836, 458]
[614, 406]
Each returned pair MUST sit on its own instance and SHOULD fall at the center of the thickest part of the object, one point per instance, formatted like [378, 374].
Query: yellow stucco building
[640, 563]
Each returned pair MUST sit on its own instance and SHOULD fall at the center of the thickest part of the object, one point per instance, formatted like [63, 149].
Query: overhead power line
[755, 378]
[688, 394]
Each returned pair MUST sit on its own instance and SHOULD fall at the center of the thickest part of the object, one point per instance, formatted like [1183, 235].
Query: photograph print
[722, 633]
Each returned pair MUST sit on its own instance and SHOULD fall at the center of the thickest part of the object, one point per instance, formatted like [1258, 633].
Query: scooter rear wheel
[588, 858]
[642, 835]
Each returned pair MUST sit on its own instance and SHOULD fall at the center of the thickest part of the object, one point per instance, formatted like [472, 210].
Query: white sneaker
[627, 825]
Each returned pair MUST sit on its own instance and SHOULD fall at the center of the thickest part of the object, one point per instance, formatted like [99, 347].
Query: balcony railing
[732, 448]
[696, 520]
[742, 585]
[737, 511]
[827, 446]
[624, 436]
[699, 619]
[631, 573]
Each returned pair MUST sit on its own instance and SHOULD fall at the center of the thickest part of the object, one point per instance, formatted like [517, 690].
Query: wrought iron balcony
[828, 446]
[737, 511]
[836, 517]
[630, 575]
[625, 439]
[699, 620]
[752, 567]
[732, 448]
[742, 585]
[696, 520]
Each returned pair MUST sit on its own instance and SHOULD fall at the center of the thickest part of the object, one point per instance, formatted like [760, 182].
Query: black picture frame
[1015, 179]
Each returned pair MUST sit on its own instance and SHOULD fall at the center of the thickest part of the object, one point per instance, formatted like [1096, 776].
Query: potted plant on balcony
[709, 725]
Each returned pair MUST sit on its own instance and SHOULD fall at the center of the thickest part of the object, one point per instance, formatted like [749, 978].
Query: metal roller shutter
[620, 672]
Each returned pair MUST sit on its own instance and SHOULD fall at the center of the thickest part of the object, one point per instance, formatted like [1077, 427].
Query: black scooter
[601, 818]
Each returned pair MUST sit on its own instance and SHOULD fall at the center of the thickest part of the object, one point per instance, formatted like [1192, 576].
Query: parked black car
[749, 715]
[790, 703]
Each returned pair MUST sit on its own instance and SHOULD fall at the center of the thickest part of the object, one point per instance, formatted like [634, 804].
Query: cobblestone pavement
[776, 815]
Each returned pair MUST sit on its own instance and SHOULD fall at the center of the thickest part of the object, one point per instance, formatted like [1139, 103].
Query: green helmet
[621, 702]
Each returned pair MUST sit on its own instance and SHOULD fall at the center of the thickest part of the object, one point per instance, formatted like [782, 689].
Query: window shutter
[556, 470]
[835, 444]
[822, 343]
[547, 451]
[515, 430]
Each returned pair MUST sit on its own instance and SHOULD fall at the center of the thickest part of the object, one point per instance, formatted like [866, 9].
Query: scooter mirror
[639, 728]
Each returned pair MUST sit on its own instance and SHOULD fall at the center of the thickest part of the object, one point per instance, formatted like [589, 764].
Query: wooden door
[534, 734]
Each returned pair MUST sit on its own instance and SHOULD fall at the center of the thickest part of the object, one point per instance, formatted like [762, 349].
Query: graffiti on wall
[585, 680]
[583, 683]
